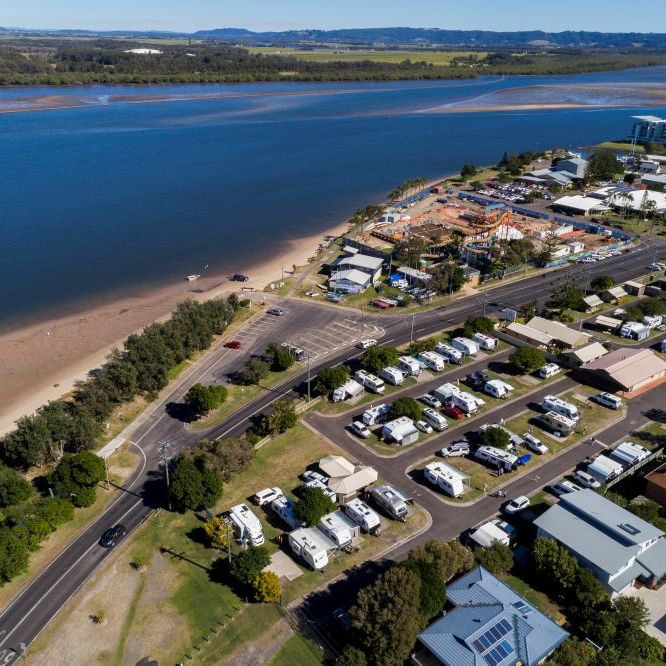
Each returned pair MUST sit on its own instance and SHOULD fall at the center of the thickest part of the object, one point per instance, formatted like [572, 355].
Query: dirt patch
[261, 651]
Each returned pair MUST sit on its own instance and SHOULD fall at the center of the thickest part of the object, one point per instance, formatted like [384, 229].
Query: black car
[477, 380]
[239, 277]
[111, 536]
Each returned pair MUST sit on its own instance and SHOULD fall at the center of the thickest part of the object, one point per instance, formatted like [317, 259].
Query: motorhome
[466, 346]
[556, 423]
[246, 525]
[449, 352]
[374, 415]
[391, 500]
[435, 419]
[370, 381]
[549, 370]
[402, 431]
[409, 366]
[552, 404]
[392, 375]
[339, 529]
[465, 401]
[485, 341]
[497, 388]
[446, 478]
[284, 508]
[433, 361]
[487, 534]
[348, 391]
[652, 321]
[363, 515]
[311, 546]
[629, 454]
[496, 457]
[604, 468]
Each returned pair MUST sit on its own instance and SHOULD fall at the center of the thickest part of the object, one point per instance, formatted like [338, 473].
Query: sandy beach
[44, 361]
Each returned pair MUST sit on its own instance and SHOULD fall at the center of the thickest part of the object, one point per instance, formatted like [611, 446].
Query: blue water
[116, 197]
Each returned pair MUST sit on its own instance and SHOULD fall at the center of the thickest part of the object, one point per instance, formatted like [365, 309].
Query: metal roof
[489, 615]
[590, 352]
[579, 202]
[352, 275]
[592, 300]
[361, 261]
[531, 333]
[336, 466]
[629, 367]
[559, 331]
[361, 478]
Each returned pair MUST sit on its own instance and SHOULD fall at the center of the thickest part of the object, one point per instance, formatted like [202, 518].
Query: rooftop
[353, 275]
[590, 352]
[629, 366]
[530, 333]
[360, 260]
[649, 119]
[558, 331]
[658, 476]
[579, 202]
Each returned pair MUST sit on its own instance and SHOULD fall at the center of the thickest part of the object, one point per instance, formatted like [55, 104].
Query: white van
[550, 403]
[433, 361]
[359, 428]
[434, 419]
[449, 352]
[549, 370]
[392, 375]
[586, 480]
[409, 366]
[466, 346]
[608, 400]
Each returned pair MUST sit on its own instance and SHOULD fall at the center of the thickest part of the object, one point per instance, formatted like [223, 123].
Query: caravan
[433, 361]
[409, 366]
[391, 500]
[451, 394]
[485, 341]
[246, 525]
[311, 546]
[339, 529]
[375, 415]
[466, 346]
[604, 469]
[392, 375]
[446, 478]
[497, 458]
[497, 388]
[402, 431]
[629, 454]
[556, 423]
[370, 381]
[434, 419]
[449, 352]
[284, 508]
[363, 515]
[552, 404]
[348, 391]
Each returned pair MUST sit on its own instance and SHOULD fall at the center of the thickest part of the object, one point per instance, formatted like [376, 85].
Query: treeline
[74, 425]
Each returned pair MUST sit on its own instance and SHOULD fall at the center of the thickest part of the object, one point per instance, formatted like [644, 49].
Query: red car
[232, 344]
[453, 411]
[382, 305]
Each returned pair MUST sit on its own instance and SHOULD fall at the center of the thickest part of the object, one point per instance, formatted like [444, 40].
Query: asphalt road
[28, 613]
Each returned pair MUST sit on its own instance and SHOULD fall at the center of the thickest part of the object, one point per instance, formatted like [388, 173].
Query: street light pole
[309, 358]
[411, 334]
[165, 445]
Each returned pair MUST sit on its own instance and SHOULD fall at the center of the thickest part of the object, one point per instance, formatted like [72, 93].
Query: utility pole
[106, 472]
[411, 334]
[165, 445]
[309, 359]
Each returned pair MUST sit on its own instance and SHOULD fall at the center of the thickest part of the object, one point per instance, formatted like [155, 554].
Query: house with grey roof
[359, 262]
[617, 546]
[491, 625]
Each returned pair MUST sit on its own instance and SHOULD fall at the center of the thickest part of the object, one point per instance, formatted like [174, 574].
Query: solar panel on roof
[521, 607]
[477, 645]
[490, 660]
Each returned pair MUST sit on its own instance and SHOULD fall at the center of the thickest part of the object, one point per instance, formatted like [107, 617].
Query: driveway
[655, 600]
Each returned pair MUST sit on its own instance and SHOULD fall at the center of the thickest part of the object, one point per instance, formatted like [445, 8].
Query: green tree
[527, 359]
[497, 558]
[32, 530]
[193, 486]
[13, 488]
[450, 559]
[312, 505]
[253, 371]
[630, 613]
[29, 445]
[554, 564]
[635, 645]
[602, 282]
[433, 587]
[406, 406]
[216, 533]
[328, 379]
[448, 278]
[468, 171]
[54, 510]
[246, 566]
[202, 399]
[474, 325]
[267, 587]
[377, 357]
[495, 436]
[410, 251]
[572, 652]
[588, 592]
[351, 656]
[76, 476]
[13, 555]
[602, 166]
[229, 457]
[568, 295]
[283, 418]
[281, 358]
[386, 617]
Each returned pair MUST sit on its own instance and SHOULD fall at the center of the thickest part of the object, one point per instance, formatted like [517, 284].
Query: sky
[267, 15]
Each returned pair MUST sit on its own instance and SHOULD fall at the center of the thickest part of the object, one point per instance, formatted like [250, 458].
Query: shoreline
[43, 361]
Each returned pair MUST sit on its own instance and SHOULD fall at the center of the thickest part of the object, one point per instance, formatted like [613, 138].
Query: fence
[634, 468]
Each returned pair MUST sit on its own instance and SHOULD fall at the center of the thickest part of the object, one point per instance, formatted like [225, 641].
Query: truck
[375, 415]
[363, 515]
[284, 508]
[370, 381]
[552, 404]
[391, 500]
[246, 525]
[498, 458]
[409, 366]
[392, 375]
[556, 423]
[450, 353]
[339, 529]
[349, 390]
[446, 478]
[433, 361]
[466, 346]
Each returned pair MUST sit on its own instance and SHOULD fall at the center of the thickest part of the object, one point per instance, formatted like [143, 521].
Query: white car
[316, 483]
[309, 475]
[517, 505]
[364, 344]
[455, 449]
[608, 400]
[563, 487]
[267, 495]
[359, 428]
[654, 267]
[423, 427]
[534, 444]
[430, 400]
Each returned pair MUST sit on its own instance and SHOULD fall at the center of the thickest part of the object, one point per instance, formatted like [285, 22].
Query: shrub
[406, 406]
[13, 554]
[283, 418]
[375, 358]
[498, 558]
[527, 359]
[253, 371]
[602, 282]
[328, 379]
[202, 399]
[267, 587]
[13, 487]
[76, 476]
[495, 436]
[312, 505]
[247, 566]
[193, 486]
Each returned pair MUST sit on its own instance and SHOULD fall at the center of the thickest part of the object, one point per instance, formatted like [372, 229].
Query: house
[573, 167]
[472, 275]
[608, 323]
[412, 275]
[613, 295]
[653, 179]
[580, 205]
[576, 247]
[490, 625]
[649, 166]
[530, 335]
[551, 177]
[616, 545]
[655, 485]
[591, 303]
[634, 288]
[586, 354]
[629, 369]
[634, 199]
[360, 262]
[349, 281]
[562, 335]
[346, 479]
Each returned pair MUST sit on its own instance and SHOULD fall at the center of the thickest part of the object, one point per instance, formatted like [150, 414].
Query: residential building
[608, 323]
[346, 479]
[616, 545]
[653, 179]
[648, 129]
[414, 276]
[592, 303]
[586, 354]
[634, 288]
[530, 335]
[562, 335]
[349, 281]
[613, 295]
[490, 625]
[655, 485]
[629, 370]
[360, 262]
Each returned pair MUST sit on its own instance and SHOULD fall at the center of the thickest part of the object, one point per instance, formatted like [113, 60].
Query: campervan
[433, 361]
[246, 525]
[552, 404]
[466, 346]
[363, 515]
[391, 500]
[370, 381]
[284, 508]
[450, 353]
[310, 545]
[349, 390]
[434, 419]
[556, 423]
[549, 370]
[485, 341]
[445, 477]
[374, 415]
[409, 366]
[496, 457]
[392, 375]
[497, 388]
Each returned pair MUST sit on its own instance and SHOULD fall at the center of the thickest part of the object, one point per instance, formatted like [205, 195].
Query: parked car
[430, 400]
[364, 344]
[534, 444]
[506, 527]
[477, 379]
[266, 496]
[112, 535]
[359, 428]
[278, 312]
[233, 344]
[310, 475]
[586, 480]
[563, 487]
[516, 505]
[608, 400]
[423, 427]
[343, 619]
[239, 277]
[455, 449]
[454, 412]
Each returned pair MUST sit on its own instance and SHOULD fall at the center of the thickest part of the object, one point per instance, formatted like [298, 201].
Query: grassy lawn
[620, 145]
[177, 370]
[652, 435]
[297, 650]
[540, 600]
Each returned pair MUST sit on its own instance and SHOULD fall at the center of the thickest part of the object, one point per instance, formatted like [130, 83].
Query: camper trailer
[604, 469]
[446, 478]
[363, 515]
[466, 346]
[465, 401]
[370, 381]
[556, 423]
[450, 353]
[391, 500]
[485, 341]
[392, 375]
[409, 366]
[487, 534]
[348, 391]
[246, 525]
[497, 388]
[433, 361]
[552, 404]
[339, 529]
[375, 415]
[284, 508]
[402, 431]
[496, 458]
[311, 546]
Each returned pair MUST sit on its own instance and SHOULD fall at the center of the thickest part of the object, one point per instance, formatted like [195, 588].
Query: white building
[349, 281]
[580, 205]
[648, 129]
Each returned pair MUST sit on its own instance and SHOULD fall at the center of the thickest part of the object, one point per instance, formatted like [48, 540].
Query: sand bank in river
[43, 361]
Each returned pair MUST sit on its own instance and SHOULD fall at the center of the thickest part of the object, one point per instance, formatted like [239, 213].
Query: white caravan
[391, 500]
[485, 341]
[409, 366]
[374, 415]
[433, 361]
[446, 478]
[339, 529]
[350, 390]
[311, 546]
[497, 388]
[370, 381]
[451, 353]
[466, 346]
[392, 375]
[363, 515]
[496, 457]
[246, 524]
[552, 404]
